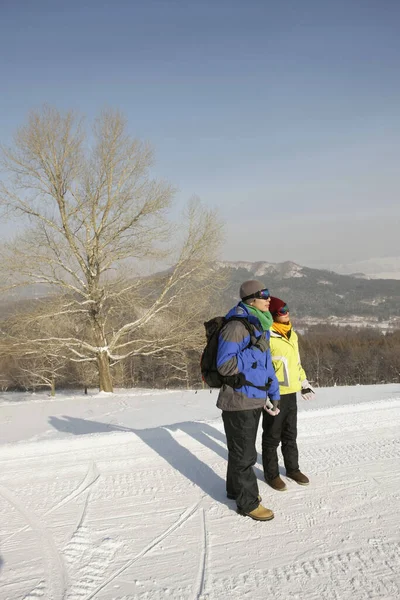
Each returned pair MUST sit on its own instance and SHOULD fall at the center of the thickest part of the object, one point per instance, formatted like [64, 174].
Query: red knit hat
[275, 305]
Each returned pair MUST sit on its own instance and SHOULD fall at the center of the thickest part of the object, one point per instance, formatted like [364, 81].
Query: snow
[287, 269]
[122, 497]
[259, 268]
[374, 301]
[295, 272]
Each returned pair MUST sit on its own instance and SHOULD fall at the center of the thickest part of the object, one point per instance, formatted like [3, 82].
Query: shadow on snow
[161, 440]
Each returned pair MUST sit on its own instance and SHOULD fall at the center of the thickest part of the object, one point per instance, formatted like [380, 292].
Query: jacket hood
[240, 310]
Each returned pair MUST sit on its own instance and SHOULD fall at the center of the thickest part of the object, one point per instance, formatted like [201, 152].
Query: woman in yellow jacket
[282, 429]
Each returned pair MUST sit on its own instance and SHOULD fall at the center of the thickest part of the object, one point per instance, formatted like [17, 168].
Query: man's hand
[307, 391]
[272, 408]
[261, 343]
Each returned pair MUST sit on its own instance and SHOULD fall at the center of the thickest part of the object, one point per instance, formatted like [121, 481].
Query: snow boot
[277, 484]
[298, 477]
[259, 514]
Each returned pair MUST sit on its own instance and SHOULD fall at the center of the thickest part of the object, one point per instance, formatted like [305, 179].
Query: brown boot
[259, 514]
[298, 477]
[277, 484]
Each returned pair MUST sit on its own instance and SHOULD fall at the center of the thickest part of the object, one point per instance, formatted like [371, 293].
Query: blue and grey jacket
[237, 355]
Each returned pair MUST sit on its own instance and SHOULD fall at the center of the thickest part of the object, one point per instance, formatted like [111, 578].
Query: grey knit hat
[248, 288]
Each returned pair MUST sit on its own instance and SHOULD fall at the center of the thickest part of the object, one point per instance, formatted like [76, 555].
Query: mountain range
[316, 295]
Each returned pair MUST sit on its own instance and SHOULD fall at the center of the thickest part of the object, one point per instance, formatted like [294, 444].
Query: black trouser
[280, 429]
[241, 431]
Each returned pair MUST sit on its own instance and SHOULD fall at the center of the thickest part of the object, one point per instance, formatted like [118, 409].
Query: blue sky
[283, 115]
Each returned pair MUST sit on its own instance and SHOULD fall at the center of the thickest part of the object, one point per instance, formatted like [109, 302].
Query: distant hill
[319, 295]
[314, 295]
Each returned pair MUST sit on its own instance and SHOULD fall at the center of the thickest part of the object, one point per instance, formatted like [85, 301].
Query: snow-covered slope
[122, 497]
[286, 269]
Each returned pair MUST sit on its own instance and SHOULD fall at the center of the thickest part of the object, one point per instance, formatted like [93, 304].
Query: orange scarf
[282, 328]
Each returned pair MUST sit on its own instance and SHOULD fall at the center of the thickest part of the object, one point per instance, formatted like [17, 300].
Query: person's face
[261, 303]
[282, 318]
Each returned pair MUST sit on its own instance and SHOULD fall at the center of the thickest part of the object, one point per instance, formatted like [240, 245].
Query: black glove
[261, 343]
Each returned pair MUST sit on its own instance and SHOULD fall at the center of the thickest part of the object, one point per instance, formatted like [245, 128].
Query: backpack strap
[240, 378]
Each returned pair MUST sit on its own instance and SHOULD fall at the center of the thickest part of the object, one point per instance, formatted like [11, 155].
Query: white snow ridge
[122, 497]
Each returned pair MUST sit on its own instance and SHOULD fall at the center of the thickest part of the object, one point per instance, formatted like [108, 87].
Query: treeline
[330, 355]
[168, 369]
[345, 356]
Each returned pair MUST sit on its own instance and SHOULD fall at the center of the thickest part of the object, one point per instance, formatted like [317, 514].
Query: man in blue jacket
[247, 355]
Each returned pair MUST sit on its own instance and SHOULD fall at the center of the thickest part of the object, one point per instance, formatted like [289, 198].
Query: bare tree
[23, 336]
[39, 371]
[93, 216]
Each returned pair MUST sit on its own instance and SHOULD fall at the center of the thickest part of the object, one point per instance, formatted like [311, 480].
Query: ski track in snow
[56, 579]
[157, 525]
[382, 581]
[39, 591]
[90, 477]
[186, 515]
[200, 580]
[88, 560]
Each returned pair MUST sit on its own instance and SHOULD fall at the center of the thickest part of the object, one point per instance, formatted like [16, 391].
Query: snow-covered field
[122, 497]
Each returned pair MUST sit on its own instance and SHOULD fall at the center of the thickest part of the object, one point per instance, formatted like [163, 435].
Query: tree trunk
[53, 385]
[105, 380]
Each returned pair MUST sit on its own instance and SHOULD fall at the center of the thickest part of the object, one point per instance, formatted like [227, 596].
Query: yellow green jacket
[286, 361]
